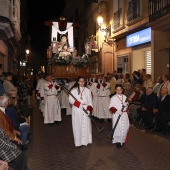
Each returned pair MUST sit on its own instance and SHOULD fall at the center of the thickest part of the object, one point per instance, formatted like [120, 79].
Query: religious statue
[63, 47]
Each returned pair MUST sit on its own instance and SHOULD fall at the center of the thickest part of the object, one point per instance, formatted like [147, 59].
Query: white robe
[95, 98]
[81, 123]
[39, 89]
[52, 110]
[103, 101]
[69, 106]
[123, 124]
[63, 99]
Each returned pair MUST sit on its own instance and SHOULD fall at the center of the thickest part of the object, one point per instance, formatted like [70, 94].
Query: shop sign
[138, 38]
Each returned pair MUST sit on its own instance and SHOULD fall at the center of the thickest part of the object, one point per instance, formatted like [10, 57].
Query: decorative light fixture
[100, 18]
[27, 51]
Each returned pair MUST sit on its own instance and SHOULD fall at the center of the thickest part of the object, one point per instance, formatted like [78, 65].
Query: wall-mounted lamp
[100, 18]
[27, 51]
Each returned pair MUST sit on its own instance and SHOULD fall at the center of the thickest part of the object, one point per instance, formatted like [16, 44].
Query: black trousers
[19, 163]
[147, 117]
[162, 120]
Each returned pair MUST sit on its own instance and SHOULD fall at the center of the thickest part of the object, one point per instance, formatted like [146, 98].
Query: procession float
[63, 61]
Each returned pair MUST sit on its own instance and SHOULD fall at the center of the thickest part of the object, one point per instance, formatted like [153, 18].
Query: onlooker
[157, 86]
[133, 103]
[162, 109]
[5, 122]
[166, 83]
[120, 79]
[11, 154]
[146, 112]
[23, 128]
[8, 86]
[1, 82]
[112, 84]
[147, 82]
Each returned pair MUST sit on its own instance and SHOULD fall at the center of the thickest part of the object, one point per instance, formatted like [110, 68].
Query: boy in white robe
[116, 104]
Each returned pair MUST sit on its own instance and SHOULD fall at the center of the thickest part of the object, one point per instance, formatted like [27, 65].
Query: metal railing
[133, 11]
[117, 19]
[158, 9]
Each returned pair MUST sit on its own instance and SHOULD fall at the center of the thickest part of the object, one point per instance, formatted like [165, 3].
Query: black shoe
[157, 130]
[149, 127]
[24, 148]
[118, 145]
[109, 120]
[165, 133]
[101, 120]
[78, 146]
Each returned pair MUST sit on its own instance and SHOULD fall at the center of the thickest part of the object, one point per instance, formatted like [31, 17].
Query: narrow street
[52, 148]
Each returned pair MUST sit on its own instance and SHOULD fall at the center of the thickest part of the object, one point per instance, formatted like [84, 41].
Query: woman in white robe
[122, 128]
[52, 110]
[81, 123]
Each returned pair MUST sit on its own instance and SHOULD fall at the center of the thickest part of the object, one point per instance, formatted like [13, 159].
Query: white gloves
[125, 104]
[88, 112]
[81, 106]
[43, 102]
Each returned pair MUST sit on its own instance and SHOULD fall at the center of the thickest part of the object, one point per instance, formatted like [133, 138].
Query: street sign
[138, 38]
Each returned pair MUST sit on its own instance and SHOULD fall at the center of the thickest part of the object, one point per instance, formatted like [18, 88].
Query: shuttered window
[148, 63]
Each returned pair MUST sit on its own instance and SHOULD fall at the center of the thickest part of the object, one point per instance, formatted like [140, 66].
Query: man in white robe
[52, 110]
[122, 128]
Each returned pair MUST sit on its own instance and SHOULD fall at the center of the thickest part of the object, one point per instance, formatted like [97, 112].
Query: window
[133, 10]
[148, 62]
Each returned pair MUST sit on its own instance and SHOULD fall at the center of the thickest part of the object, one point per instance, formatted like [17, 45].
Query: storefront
[140, 44]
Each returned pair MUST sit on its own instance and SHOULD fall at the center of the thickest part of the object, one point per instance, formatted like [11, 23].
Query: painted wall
[160, 44]
[138, 60]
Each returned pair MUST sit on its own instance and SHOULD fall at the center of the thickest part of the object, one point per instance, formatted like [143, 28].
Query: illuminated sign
[138, 38]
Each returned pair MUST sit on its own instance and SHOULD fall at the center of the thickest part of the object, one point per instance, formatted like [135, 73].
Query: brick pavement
[52, 148]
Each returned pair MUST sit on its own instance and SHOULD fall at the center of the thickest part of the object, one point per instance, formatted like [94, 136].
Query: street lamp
[27, 51]
[100, 18]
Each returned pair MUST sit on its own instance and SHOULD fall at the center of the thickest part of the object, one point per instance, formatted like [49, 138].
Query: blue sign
[138, 38]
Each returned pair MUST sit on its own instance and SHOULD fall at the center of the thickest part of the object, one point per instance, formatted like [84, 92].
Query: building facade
[9, 34]
[135, 34]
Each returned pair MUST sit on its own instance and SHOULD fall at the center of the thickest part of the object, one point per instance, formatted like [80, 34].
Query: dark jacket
[11, 113]
[164, 105]
[151, 101]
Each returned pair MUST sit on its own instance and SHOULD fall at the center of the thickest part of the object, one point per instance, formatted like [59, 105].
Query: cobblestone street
[52, 148]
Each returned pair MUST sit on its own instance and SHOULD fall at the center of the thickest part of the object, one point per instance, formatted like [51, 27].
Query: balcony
[133, 11]
[117, 20]
[158, 9]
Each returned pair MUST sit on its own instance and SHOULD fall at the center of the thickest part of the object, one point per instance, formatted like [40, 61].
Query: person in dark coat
[146, 112]
[162, 110]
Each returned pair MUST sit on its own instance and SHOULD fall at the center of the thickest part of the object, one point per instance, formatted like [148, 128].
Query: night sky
[38, 12]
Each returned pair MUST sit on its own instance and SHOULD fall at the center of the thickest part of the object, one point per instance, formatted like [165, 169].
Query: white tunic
[95, 98]
[123, 124]
[69, 106]
[52, 110]
[81, 123]
[103, 101]
[39, 89]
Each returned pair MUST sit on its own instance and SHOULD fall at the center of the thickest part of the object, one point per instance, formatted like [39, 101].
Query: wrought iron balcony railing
[158, 8]
[117, 19]
[133, 11]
